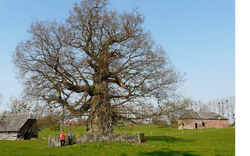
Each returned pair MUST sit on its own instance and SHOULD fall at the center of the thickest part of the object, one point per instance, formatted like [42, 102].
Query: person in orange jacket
[62, 138]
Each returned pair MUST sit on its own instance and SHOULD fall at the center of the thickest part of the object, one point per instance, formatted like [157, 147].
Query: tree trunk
[100, 119]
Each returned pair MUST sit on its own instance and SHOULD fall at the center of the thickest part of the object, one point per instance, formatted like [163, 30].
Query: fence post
[49, 141]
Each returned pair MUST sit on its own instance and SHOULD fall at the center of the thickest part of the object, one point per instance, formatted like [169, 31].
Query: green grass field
[160, 141]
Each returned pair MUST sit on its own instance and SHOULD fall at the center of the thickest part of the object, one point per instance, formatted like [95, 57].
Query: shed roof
[190, 114]
[14, 122]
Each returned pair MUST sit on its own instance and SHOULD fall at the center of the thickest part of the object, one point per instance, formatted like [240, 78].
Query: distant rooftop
[190, 114]
[14, 122]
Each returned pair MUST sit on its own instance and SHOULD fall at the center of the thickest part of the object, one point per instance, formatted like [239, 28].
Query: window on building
[203, 124]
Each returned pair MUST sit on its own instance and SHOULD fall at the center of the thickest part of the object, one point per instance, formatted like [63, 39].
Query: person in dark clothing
[70, 136]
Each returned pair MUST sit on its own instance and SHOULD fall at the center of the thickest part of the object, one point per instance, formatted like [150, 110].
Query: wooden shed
[18, 126]
[196, 120]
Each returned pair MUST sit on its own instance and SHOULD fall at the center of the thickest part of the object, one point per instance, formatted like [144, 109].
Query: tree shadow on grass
[167, 139]
[168, 152]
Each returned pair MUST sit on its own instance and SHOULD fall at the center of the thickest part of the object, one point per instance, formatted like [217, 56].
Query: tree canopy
[97, 61]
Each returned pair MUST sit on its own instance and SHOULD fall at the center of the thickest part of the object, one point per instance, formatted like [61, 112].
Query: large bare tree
[97, 61]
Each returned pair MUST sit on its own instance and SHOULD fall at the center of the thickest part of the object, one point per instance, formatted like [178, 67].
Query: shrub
[174, 123]
[160, 123]
[49, 121]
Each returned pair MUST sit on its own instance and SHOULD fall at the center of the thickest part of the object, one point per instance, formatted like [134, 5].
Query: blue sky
[198, 35]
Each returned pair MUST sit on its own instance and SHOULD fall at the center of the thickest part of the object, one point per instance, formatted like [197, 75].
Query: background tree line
[49, 117]
[223, 106]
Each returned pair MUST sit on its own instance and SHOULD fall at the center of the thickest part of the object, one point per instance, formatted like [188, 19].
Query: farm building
[196, 120]
[18, 126]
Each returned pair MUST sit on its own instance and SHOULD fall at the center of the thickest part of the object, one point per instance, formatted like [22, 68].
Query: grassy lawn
[160, 141]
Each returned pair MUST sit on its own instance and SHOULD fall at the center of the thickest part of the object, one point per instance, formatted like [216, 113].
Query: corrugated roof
[190, 114]
[210, 115]
[14, 122]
